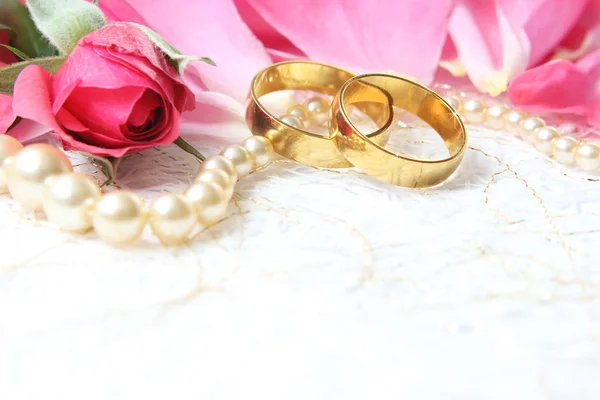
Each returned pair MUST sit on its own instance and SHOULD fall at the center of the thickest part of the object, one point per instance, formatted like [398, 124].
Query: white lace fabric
[318, 284]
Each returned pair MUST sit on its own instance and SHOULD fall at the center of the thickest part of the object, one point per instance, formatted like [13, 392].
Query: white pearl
[563, 149]
[28, 170]
[298, 111]
[587, 156]
[172, 218]
[9, 146]
[474, 111]
[241, 158]
[528, 126]
[320, 120]
[219, 177]
[261, 148]
[68, 201]
[512, 121]
[119, 217]
[208, 200]
[222, 163]
[454, 102]
[317, 105]
[544, 137]
[495, 116]
[292, 121]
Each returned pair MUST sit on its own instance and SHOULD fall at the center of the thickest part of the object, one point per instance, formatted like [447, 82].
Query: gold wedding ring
[372, 157]
[299, 144]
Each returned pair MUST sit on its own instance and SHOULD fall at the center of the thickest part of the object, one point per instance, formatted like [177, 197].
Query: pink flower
[490, 41]
[561, 86]
[278, 46]
[585, 35]
[496, 40]
[211, 27]
[115, 94]
[208, 27]
[405, 37]
[244, 36]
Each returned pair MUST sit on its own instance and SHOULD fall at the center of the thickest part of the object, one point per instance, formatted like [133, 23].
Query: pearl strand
[534, 130]
[314, 111]
[41, 178]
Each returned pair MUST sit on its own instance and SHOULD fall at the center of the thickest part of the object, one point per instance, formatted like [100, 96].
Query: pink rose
[115, 94]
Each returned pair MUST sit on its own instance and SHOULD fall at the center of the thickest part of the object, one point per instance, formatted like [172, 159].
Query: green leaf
[179, 61]
[64, 22]
[9, 74]
[15, 19]
[16, 52]
[207, 60]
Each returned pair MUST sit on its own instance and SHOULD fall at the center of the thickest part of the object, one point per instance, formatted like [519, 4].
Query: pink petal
[561, 86]
[120, 54]
[115, 11]
[593, 114]
[6, 113]
[279, 55]
[369, 35]
[498, 39]
[214, 117]
[142, 108]
[32, 102]
[88, 69]
[275, 42]
[585, 35]
[107, 113]
[108, 68]
[210, 28]
[491, 47]
[557, 86]
[129, 42]
[450, 61]
[70, 122]
[32, 97]
[27, 130]
[548, 23]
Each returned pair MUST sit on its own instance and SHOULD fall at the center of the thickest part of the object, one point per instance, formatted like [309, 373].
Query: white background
[318, 285]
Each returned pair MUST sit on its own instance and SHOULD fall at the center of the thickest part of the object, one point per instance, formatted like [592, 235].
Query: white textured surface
[319, 285]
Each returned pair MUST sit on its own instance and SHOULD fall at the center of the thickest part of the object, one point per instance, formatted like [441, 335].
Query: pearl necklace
[40, 178]
[548, 139]
[534, 130]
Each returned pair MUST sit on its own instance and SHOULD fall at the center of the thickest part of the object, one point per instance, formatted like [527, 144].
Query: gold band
[383, 164]
[298, 144]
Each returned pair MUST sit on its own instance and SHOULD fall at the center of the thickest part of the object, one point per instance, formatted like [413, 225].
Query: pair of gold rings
[346, 146]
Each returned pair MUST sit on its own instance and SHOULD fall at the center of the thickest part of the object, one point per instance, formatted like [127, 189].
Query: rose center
[146, 115]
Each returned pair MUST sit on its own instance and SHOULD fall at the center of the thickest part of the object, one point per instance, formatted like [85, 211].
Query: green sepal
[9, 74]
[64, 22]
